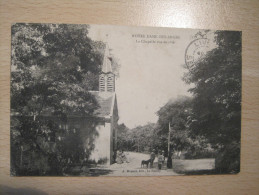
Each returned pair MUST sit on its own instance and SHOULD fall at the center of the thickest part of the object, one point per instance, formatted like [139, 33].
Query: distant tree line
[155, 135]
[139, 139]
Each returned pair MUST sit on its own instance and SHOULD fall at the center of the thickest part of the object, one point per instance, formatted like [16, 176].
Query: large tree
[177, 113]
[217, 98]
[53, 67]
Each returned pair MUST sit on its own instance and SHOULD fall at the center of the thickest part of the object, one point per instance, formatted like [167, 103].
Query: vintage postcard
[99, 100]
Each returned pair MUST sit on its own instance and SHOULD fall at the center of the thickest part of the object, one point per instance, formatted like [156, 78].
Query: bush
[228, 160]
[200, 154]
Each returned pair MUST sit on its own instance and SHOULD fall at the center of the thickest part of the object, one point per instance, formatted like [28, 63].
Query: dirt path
[133, 167]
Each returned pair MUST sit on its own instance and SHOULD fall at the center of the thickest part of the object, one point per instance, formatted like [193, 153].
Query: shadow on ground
[89, 171]
[197, 172]
[96, 172]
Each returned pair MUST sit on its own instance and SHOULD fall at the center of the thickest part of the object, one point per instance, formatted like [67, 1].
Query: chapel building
[106, 139]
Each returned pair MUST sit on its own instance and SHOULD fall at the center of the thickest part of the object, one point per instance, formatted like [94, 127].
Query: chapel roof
[106, 101]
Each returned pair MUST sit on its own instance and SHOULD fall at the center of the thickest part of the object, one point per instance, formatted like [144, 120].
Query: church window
[110, 84]
[102, 84]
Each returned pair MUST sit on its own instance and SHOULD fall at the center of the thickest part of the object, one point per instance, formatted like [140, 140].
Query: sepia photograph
[102, 100]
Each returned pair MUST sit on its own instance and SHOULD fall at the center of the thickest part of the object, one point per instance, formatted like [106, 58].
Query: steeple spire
[107, 64]
[107, 78]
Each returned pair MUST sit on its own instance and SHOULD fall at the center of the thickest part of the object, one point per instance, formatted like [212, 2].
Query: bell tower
[107, 78]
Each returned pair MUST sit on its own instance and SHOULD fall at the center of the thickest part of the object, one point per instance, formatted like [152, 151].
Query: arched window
[101, 84]
[110, 84]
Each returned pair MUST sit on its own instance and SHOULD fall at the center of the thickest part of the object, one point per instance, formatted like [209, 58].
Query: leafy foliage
[178, 113]
[49, 63]
[217, 96]
[53, 68]
[155, 136]
[139, 139]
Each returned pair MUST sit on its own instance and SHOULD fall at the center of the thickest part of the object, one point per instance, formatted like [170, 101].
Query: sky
[151, 71]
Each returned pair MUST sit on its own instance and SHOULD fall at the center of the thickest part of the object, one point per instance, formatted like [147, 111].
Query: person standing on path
[160, 160]
[163, 154]
[152, 158]
[169, 160]
[119, 157]
[124, 158]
